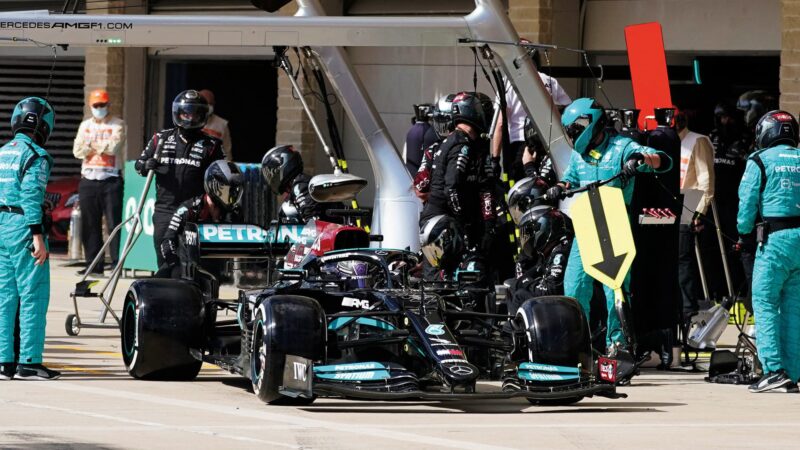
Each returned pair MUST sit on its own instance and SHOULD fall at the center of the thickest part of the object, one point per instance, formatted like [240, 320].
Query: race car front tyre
[162, 322]
[284, 325]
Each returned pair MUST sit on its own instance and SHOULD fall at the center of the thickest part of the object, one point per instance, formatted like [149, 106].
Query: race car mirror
[335, 187]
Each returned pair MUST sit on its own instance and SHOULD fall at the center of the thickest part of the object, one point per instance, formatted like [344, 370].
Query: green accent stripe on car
[538, 367]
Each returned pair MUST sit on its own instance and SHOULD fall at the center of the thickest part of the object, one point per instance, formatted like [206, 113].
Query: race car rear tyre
[284, 325]
[557, 401]
[162, 321]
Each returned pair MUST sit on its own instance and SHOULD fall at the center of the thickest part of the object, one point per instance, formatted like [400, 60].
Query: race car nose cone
[459, 374]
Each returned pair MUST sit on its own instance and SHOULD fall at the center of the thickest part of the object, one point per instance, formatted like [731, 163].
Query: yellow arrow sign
[604, 235]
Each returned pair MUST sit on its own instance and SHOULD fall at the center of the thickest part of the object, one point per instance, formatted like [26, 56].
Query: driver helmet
[356, 274]
[524, 195]
[224, 184]
[443, 116]
[473, 108]
[442, 242]
[775, 128]
[190, 110]
[541, 228]
[35, 115]
[280, 166]
[583, 120]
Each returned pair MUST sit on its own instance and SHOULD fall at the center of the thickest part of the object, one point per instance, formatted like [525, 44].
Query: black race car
[350, 321]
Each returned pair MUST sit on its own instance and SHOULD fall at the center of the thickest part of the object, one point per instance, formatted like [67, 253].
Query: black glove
[168, 252]
[633, 162]
[151, 164]
[555, 193]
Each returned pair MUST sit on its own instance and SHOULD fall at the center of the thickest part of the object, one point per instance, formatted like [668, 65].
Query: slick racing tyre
[162, 322]
[284, 325]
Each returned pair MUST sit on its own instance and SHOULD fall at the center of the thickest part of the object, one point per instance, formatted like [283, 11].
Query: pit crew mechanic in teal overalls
[24, 268]
[599, 153]
[771, 187]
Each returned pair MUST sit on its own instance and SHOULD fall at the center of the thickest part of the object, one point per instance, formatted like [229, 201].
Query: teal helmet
[583, 120]
[34, 114]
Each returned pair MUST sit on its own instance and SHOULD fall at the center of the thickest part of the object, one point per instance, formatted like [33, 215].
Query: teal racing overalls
[24, 172]
[771, 187]
[598, 164]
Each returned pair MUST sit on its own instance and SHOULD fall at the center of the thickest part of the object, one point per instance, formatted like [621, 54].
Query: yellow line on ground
[82, 350]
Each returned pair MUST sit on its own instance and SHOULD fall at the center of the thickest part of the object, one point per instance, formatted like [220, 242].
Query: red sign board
[648, 65]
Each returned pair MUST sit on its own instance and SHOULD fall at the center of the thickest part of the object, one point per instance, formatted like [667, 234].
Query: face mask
[100, 113]
[210, 110]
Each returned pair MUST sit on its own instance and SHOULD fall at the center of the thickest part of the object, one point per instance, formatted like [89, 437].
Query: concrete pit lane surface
[96, 405]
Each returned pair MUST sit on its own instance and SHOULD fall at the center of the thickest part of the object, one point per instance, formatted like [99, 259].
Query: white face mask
[210, 110]
[100, 113]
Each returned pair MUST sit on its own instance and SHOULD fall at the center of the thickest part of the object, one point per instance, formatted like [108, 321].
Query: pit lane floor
[97, 406]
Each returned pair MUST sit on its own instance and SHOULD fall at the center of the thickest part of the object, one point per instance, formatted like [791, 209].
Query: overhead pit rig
[396, 208]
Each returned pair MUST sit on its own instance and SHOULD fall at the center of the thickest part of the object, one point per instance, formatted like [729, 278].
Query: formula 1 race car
[350, 321]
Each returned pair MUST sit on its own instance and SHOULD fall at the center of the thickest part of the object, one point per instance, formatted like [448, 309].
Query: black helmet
[35, 115]
[442, 242]
[776, 127]
[443, 116]
[540, 228]
[279, 167]
[422, 113]
[524, 195]
[532, 139]
[755, 104]
[224, 183]
[190, 110]
[473, 108]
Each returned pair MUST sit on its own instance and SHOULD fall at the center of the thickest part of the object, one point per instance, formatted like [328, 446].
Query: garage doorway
[246, 95]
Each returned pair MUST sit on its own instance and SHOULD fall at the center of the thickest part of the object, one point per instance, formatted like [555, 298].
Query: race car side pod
[73, 323]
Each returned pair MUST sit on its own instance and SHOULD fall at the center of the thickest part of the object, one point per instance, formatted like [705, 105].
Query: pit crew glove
[555, 193]
[633, 163]
[151, 164]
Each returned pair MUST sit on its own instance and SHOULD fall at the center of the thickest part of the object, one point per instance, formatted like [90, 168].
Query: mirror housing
[327, 188]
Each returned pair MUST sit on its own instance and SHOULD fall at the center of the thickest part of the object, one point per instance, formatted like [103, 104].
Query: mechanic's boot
[36, 372]
[6, 371]
[776, 381]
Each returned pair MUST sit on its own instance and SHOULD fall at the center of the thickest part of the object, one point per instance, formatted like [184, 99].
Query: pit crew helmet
[473, 108]
[442, 242]
[443, 116]
[190, 110]
[280, 166]
[34, 114]
[524, 195]
[776, 127]
[224, 183]
[583, 120]
[540, 229]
